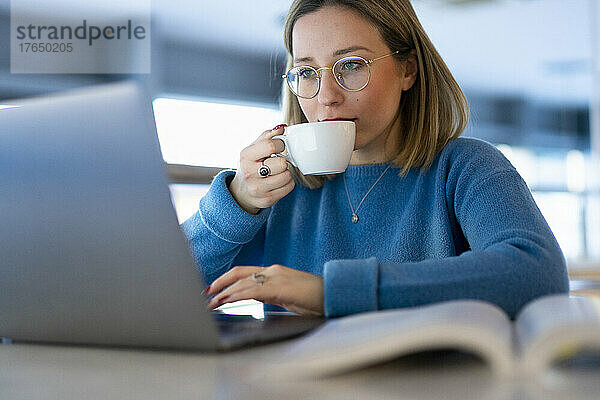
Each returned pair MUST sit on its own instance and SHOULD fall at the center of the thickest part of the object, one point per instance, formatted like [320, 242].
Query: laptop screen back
[91, 248]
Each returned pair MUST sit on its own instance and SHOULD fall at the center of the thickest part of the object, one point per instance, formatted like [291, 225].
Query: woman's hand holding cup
[253, 191]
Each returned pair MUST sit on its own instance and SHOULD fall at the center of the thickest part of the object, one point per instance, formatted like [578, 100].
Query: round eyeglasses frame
[317, 71]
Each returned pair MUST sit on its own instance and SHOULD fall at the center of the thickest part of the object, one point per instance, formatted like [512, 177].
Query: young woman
[419, 216]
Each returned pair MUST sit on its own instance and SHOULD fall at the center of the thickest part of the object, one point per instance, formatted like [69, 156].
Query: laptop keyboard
[227, 323]
[245, 329]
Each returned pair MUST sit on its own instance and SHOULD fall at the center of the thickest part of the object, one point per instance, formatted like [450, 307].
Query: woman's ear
[410, 71]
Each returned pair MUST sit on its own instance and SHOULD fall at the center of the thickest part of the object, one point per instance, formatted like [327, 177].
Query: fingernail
[212, 304]
[205, 292]
[221, 301]
[279, 127]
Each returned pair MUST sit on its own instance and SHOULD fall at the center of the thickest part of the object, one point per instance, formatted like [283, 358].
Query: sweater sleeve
[220, 232]
[513, 256]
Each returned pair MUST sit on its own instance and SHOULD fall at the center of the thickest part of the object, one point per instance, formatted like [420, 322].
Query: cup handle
[285, 154]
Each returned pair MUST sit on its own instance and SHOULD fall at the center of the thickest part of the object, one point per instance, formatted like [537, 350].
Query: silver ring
[264, 170]
[259, 278]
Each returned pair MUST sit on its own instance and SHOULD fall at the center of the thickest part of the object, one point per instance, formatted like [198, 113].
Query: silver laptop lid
[91, 251]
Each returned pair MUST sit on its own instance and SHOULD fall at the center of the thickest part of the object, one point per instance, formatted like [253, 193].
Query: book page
[557, 327]
[350, 342]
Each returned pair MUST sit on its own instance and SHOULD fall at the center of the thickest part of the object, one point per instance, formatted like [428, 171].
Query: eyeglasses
[351, 73]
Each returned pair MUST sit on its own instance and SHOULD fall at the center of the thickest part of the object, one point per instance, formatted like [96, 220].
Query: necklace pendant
[354, 215]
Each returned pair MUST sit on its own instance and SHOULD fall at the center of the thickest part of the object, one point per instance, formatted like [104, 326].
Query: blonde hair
[433, 112]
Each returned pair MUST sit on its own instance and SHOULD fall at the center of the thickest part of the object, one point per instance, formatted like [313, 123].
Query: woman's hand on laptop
[297, 291]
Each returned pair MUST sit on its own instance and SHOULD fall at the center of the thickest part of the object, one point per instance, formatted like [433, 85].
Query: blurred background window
[209, 133]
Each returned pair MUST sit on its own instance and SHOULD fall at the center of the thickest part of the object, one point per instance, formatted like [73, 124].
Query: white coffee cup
[319, 148]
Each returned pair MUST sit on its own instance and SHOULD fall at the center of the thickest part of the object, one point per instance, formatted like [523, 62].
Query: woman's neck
[383, 150]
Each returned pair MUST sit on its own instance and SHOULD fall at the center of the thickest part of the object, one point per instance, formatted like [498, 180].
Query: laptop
[90, 248]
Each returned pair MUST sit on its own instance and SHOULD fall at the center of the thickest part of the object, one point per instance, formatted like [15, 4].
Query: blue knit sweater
[467, 227]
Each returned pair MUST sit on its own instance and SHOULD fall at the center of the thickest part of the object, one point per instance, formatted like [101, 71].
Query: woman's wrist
[233, 189]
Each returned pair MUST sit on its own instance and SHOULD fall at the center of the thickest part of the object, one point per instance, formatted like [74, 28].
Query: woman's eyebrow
[349, 50]
[335, 53]
[302, 59]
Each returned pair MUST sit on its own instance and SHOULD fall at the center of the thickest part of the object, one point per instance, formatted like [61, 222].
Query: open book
[547, 329]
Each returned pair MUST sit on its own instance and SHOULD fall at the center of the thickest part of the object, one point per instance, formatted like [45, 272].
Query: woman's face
[323, 37]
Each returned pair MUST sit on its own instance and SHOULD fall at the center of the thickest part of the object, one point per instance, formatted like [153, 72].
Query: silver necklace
[355, 212]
